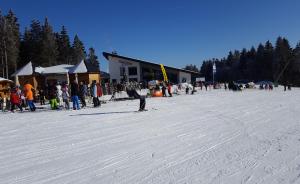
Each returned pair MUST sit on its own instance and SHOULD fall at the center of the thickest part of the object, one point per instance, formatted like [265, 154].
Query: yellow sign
[164, 72]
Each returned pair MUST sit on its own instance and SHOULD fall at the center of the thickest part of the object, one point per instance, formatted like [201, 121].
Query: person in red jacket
[15, 100]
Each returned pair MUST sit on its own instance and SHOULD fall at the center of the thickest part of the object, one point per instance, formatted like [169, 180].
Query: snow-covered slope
[210, 137]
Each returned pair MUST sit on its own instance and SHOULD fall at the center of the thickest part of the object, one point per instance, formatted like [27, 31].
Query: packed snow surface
[209, 137]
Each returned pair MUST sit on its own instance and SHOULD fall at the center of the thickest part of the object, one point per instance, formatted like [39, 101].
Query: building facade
[124, 68]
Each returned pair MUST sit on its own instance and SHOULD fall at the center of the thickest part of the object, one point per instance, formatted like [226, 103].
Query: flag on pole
[164, 72]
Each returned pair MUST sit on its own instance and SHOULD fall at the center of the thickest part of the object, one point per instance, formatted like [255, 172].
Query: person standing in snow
[163, 89]
[53, 97]
[66, 96]
[59, 94]
[15, 100]
[99, 93]
[74, 95]
[82, 93]
[169, 89]
[42, 96]
[94, 93]
[28, 90]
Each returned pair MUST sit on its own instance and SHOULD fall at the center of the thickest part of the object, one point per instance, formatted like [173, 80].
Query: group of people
[21, 98]
[58, 94]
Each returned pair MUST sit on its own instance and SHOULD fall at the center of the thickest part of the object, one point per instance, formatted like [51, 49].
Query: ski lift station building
[144, 71]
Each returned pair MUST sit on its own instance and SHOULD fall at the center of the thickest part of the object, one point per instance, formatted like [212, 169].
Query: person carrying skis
[15, 100]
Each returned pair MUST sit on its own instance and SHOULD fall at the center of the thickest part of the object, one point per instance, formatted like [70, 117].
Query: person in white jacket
[65, 96]
[59, 94]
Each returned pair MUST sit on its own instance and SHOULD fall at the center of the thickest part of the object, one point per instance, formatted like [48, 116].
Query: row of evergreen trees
[38, 44]
[280, 64]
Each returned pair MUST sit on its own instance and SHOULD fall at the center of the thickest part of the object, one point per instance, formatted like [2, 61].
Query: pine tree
[258, 65]
[191, 67]
[31, 45]
[283, 61]
[49, 47]
[243, 64]
[296, 65]
[78, 50]
[92, 58]
[12, 41]
[2, 34]
[268, 61]
[64, 47]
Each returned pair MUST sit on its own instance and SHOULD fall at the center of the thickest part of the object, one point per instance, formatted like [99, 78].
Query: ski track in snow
[210, 137]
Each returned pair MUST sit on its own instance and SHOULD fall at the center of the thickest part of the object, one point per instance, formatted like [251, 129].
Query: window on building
[132, 71]
[122, 71]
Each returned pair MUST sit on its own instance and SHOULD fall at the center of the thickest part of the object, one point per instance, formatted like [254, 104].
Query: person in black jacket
[74, 95]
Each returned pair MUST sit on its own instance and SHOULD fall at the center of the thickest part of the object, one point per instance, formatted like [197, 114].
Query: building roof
[82, 67]
[5, 80]
[25, 70]
[79, 68]
[109, 55]
[59, 69]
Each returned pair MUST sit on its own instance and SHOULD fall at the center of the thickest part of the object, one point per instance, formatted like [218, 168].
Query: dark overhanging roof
[106, 55]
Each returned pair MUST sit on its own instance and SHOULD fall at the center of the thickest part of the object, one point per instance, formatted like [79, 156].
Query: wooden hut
[5, 85]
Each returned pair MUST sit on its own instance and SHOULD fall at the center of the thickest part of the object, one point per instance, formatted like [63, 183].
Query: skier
[142, 100]
[74, 95]
[187, 89]
[15, 100]
[29, 96]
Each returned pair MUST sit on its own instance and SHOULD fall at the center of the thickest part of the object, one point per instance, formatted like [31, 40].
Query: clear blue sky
[172, 32]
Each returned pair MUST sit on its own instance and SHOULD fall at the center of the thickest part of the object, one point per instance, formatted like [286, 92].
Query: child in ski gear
[53, 98]
[15, 100]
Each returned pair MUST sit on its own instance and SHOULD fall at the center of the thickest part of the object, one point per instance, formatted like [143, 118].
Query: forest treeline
[279, 63]
[40, 44]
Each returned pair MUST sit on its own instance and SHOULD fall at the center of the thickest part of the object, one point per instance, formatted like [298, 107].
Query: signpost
[214, 71]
